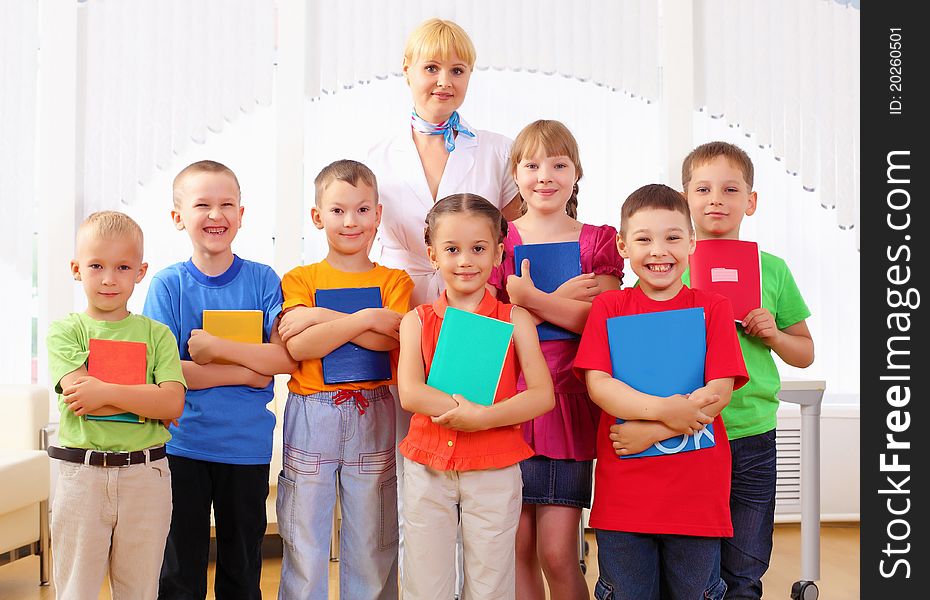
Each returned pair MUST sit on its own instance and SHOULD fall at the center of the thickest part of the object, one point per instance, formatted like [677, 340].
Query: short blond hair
[705, 153]
[438, 39]
[111, 225]
[349, 171]
[201, 166]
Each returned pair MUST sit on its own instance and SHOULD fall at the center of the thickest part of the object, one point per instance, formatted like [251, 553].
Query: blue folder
[350, 362]
[551, 265]
[662, 354]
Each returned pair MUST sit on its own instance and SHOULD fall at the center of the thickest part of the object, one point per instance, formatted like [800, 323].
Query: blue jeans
[326, 434]
[744, 558]
[558, 482]
[639, 566]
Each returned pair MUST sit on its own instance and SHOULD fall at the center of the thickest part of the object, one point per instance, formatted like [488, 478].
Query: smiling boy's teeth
[660, 268]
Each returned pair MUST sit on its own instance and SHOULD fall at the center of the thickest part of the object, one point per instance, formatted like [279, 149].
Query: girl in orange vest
[461, 459]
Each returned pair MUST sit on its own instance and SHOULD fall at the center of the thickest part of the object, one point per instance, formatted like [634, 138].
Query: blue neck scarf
[445, 129]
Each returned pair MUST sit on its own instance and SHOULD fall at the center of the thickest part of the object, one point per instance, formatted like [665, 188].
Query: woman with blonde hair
[434, 154]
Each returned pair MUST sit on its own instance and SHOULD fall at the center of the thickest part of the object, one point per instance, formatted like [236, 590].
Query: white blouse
[478, 165]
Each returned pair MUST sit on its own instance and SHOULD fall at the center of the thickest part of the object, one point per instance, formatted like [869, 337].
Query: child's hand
[683, 413]
[294, 321]
[584, 287]
[257, 380]
[384, 321]
[201, 346]
[519, 288]
[631, 437]
[761, 324]
[467, 416]
[85, 395]
[169, 422]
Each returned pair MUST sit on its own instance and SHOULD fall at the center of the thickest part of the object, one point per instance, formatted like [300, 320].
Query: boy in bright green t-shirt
[717, 178]
[112, 504]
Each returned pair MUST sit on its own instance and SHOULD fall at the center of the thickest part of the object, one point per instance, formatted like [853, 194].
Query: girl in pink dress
[557, 480]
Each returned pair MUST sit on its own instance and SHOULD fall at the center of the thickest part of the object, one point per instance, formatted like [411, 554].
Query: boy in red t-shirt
[659, 520]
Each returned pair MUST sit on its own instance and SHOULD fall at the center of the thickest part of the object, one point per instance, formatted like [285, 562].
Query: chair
[24, 475]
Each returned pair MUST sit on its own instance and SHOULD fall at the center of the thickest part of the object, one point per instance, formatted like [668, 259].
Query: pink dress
[568, 430]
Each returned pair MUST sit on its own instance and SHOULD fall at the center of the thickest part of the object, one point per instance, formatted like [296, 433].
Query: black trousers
[237, 494]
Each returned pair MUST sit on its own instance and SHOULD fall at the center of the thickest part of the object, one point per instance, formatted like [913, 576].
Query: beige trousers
[114, 518]
[490, 503]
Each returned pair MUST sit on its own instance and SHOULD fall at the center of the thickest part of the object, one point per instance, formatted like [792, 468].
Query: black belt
[105, 459]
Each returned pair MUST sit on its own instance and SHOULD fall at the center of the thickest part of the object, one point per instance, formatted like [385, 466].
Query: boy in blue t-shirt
[220, 449]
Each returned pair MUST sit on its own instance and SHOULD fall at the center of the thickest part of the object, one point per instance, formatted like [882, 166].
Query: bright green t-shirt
[752, 408]
[68, 341]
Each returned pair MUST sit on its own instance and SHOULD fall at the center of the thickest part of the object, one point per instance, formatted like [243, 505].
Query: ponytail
[571, 207]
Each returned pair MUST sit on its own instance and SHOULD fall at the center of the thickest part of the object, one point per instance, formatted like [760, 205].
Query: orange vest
[445, 449]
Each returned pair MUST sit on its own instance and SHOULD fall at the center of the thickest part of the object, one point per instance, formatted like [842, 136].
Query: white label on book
[724, 274]
[703, 433]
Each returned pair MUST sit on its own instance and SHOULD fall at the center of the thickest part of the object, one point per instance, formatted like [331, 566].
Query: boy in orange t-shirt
[340, 432]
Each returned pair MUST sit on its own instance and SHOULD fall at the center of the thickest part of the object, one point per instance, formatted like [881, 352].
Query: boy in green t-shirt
[112, 503]
[717, 178]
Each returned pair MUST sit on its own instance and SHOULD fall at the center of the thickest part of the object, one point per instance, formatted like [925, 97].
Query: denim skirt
[555, 481]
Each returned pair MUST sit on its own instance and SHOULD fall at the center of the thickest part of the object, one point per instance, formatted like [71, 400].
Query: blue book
[350, 362]
[470, 354]
[662, 354]
[551, 265]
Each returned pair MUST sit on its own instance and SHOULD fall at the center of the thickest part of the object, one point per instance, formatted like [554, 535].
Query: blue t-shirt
[231, 423]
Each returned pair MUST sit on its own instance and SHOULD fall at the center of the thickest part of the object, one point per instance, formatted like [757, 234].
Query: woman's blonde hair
[438, 39]
[556, 140]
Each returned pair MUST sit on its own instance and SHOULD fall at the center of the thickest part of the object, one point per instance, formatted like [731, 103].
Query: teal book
[662, 354]
[350, 362]
[551, 265]
[470, 355]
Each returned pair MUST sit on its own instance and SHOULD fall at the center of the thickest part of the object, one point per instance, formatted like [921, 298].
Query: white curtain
[18, 62]
[158, 75]
[786, 74]
[783, 72]
[612, 43]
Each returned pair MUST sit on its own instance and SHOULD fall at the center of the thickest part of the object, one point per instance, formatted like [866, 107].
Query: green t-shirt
[753, 407]
[68, 341]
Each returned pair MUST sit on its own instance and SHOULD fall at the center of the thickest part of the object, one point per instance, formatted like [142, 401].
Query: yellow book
[236, 325]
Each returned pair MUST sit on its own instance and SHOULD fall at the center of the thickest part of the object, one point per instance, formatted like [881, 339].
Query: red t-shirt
[686, 493]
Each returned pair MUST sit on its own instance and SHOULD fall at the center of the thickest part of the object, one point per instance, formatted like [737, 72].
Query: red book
[116, 361]
[730, 268]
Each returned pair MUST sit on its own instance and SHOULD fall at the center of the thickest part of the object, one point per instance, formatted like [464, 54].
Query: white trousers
[490, 502]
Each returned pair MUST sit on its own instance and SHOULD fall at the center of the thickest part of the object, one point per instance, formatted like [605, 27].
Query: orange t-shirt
[300, 285]
[446, 449]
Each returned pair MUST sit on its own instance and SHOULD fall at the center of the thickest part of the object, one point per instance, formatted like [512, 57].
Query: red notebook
[730, 268]
[119, 362]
